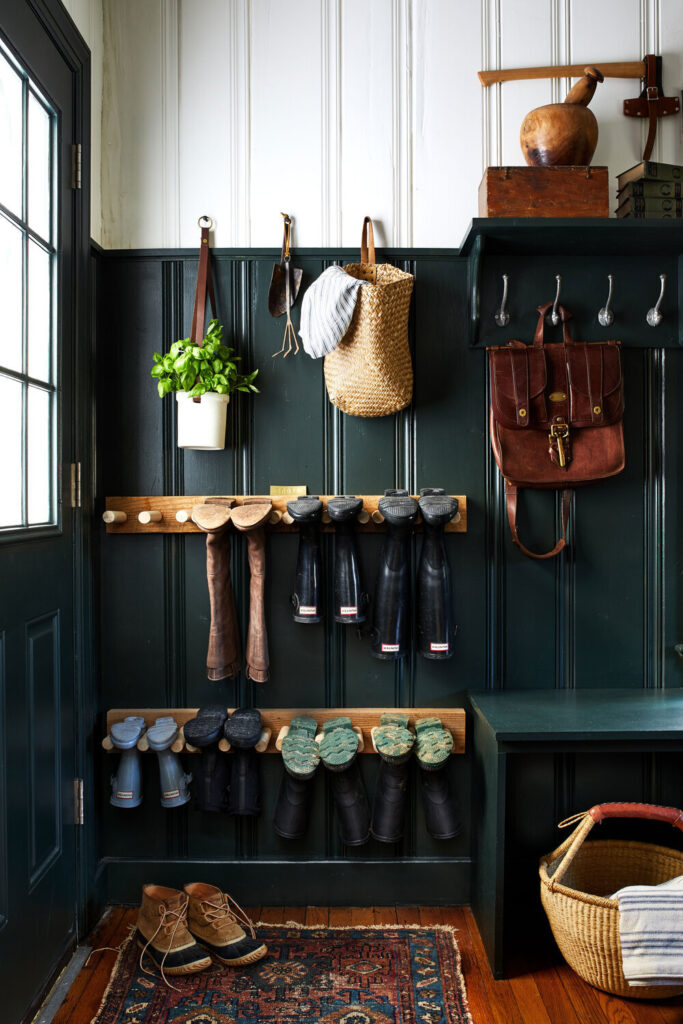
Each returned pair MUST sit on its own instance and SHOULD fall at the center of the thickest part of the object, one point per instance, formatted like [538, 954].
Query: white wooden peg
[143, 743]
[363, 516]
[372, 737]
[178, 744]
[107, 743]
[224, 745]
[377, 517]
[361, 739]
[326, 517]
[183, 515]
[262, 744]
[275, 517]
[113, 517]
[287, 519]
[283, 733]
[149, 517]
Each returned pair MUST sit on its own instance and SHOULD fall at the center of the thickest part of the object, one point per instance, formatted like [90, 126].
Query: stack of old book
[650, 190]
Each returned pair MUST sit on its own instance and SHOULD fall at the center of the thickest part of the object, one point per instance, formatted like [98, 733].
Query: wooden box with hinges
[544, 192]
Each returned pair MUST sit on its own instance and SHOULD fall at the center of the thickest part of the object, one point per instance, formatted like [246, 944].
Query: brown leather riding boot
[214, 923]
[163, 935]
[224, 656]
[250, 518]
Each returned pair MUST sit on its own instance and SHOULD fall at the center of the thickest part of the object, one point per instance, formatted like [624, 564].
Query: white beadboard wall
[331, 109]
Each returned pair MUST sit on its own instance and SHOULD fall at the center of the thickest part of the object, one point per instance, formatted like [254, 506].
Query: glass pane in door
[10, 452]
[10, 137]
[39, 456]
[10, 295]
[38, 167]
[39, 330]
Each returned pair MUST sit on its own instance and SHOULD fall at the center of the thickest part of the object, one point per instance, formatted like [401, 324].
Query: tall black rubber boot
[441, 812]
[351, 803]
[293, 808]
[389, 802]
[435, 627]
[306, 599]
[350, 602]
[243, 731]
[391, 630]
[212, 779]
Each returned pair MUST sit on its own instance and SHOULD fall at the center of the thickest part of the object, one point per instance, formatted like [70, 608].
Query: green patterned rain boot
[338, 750]
[433, 749]
[301, 757]
[394, 743]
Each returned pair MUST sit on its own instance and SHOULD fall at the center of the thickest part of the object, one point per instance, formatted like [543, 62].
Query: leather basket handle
[511, 507]
[648, 812]
[543, 311]
[368, 233]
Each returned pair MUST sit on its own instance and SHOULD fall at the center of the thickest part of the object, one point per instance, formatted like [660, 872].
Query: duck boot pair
[435, 626]
[390, 636]
[243, 731]
[338, 750]
[174, 781]
[307, 597]
[394, 743]
[212, 779]
[433, 749]
[178, 930]
[300, 759]
[126, 785]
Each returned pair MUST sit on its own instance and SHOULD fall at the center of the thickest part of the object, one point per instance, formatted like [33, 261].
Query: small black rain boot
[433, 749]
[394, 743]
[243, 731]
[338, 749]
[306, 599]
[391, 630]
[350, 602]
[212, 780]
[435, 627]
[300, 759]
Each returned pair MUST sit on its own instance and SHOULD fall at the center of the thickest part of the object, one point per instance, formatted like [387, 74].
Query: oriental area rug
[311, 975]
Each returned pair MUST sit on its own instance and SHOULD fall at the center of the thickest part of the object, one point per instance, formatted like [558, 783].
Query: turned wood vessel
[563, 133]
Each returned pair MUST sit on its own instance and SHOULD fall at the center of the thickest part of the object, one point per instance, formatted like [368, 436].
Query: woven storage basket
[576, 881]
[370, 372]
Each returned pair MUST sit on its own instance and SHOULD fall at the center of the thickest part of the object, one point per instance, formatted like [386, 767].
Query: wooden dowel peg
[372, 737]
[361, 739]
[363, 516]
[224, 745]
[377, 517]
[147, 517]
[189, 749]
[262, 744]
[275, 517]
[107, 744]
[283, 733]
[178, 744]
[287, 519]
[110, 517]
[143, 744]
[326, 517]
[183, 515]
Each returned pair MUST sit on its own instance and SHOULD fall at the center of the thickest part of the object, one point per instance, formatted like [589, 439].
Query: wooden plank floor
[548, 994]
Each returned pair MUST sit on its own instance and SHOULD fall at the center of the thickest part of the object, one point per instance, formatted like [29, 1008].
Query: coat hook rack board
[173, 514]
[275, 722]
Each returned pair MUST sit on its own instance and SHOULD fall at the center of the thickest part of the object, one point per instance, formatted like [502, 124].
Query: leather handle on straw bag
[649, 812]
[367, 233]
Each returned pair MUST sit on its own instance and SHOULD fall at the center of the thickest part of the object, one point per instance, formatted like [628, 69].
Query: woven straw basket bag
[370, 372]
[576, 881]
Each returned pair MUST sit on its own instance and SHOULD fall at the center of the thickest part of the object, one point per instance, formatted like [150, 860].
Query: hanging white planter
[201, 425]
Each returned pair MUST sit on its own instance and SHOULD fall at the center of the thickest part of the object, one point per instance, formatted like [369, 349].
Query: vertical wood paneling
[522, 45]
[44, 744]
[4, 893]
[170, 115]
[330, 122]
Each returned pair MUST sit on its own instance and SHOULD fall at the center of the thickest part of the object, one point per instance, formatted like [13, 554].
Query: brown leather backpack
[556, 416]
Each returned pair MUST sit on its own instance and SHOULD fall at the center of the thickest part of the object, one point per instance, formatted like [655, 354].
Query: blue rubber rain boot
[350, 600]
[435, 627]
[126, 785]
[390, 636]
[174, 782]
[307, 512]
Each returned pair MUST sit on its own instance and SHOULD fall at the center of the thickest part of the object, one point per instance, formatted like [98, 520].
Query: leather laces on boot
[180, 914]
[221, 912]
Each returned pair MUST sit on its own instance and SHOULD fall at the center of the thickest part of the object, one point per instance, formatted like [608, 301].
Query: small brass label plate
[281, 489]
[557, 396]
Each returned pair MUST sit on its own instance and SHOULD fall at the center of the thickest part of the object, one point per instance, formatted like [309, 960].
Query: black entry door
[38, 690]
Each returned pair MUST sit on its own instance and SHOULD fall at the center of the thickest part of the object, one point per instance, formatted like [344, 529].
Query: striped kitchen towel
[651, 932]
[327, 310]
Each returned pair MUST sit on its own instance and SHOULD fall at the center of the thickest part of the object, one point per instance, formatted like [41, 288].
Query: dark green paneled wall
[602, 616]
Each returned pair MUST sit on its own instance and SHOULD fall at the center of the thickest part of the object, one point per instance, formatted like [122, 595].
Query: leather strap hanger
[511, 506]
[652, 103]
[204, 285]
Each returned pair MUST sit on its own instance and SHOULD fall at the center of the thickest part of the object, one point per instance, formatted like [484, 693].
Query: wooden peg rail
[166, 514]
[275, 720]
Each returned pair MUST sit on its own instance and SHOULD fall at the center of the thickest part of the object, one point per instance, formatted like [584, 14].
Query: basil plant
[198, 369]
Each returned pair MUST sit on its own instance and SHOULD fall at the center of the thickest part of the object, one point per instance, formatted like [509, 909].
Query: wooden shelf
[169, 505]
[274, 719]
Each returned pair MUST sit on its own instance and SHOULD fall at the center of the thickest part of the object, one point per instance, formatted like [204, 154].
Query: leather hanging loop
[652, 103]
[204, 286]
[543, 311]
[365, 256]
[511, 506]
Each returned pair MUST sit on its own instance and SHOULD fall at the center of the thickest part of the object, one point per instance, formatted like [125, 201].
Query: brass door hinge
[76, 160]
[75, 485]
[79, 814]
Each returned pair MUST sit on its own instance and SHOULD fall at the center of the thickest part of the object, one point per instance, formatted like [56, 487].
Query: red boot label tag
[438, 647]
[171, 793]
[124, 796]
[390, 648]
[348, 609]
[308, 609]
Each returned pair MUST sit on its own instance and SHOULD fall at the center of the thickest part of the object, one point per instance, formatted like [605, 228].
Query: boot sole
[193, 968]
[240, 961]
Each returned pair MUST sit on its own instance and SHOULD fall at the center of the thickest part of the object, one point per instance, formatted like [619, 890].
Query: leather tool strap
[511, 504]
[367, 233]
[543, 311]
[652, 103]
[204, 285]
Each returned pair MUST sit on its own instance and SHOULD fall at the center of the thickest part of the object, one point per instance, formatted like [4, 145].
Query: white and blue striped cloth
[327, 309]
[651, 933]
